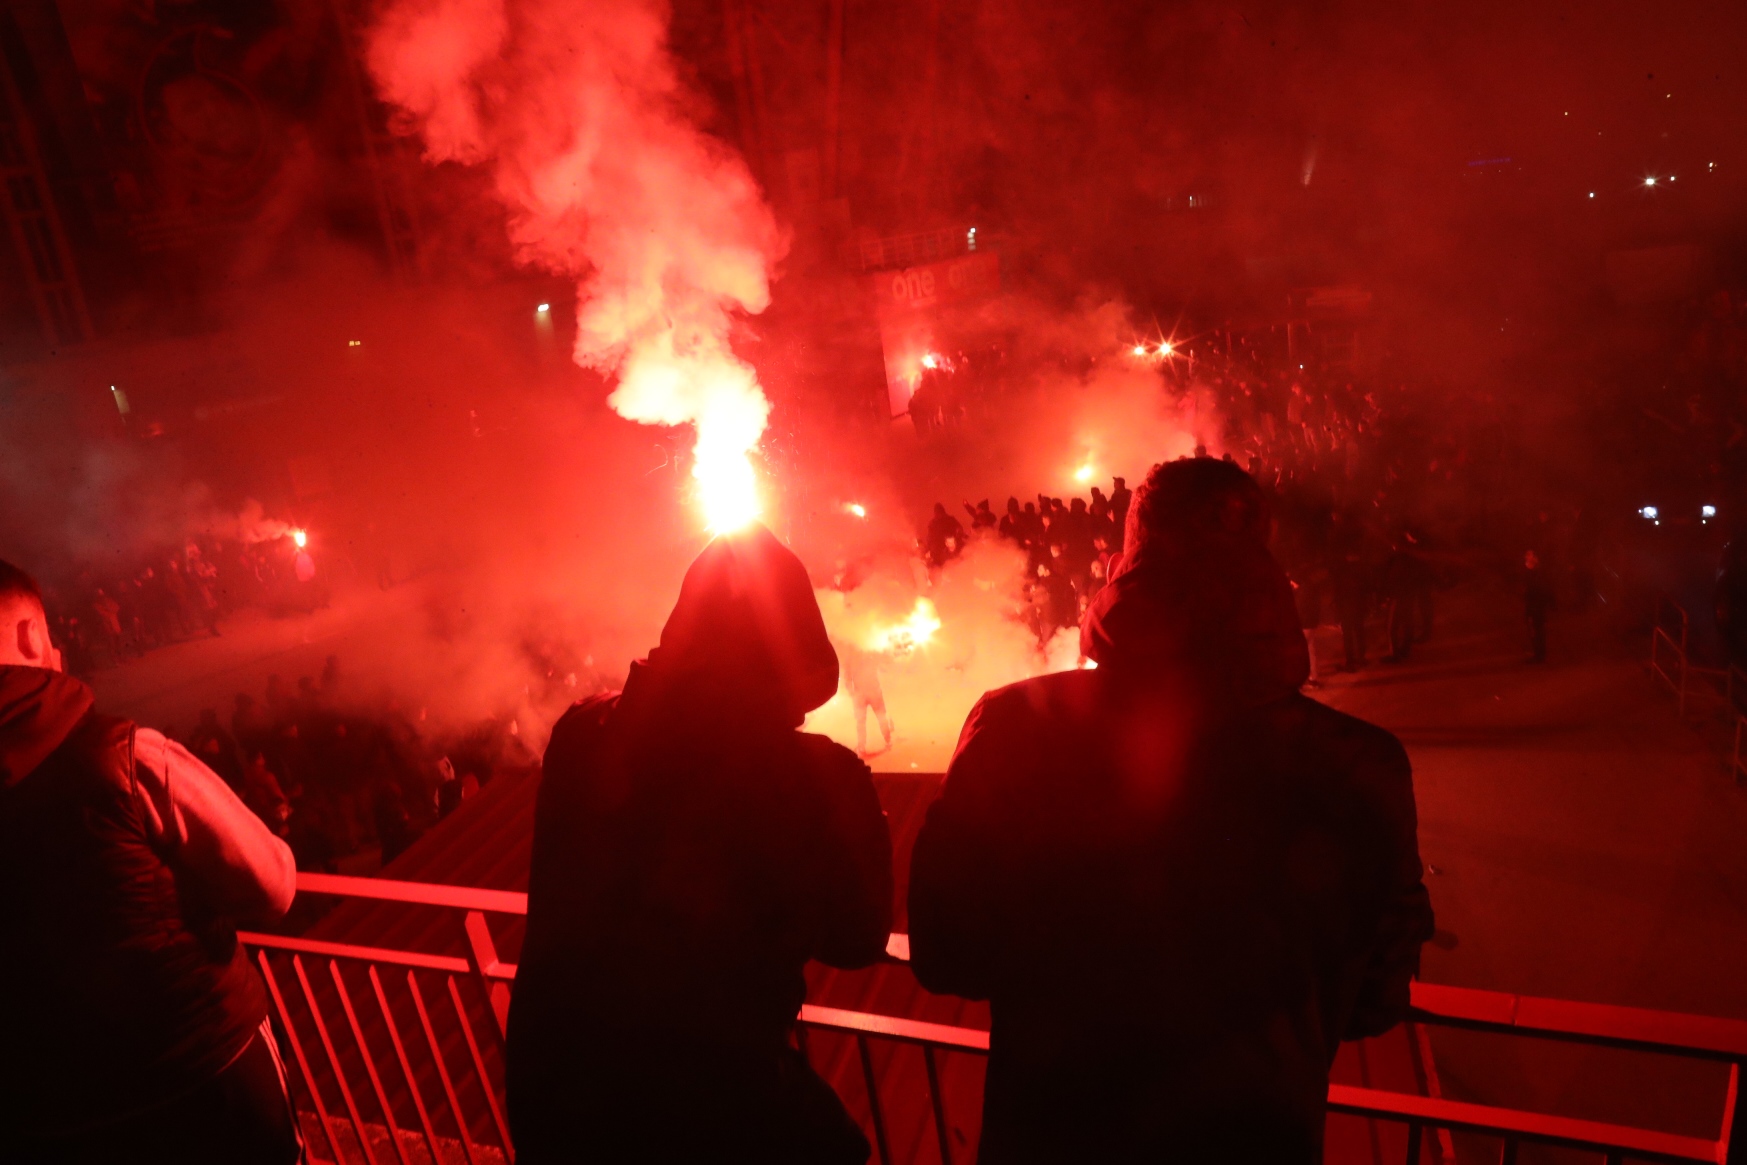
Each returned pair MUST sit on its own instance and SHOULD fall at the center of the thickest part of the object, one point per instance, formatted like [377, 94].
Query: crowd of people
[335, 774]
[109, 614]
[1377, 505]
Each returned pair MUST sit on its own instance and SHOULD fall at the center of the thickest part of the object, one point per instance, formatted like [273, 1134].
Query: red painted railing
[410, 1079]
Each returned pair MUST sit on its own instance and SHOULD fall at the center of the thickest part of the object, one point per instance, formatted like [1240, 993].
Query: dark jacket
[121, 987]
[692, 852]
[1180, 883]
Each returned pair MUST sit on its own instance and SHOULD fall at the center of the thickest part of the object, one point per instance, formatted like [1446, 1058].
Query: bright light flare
[727, 488]
[857, 509]
[930, 360]
[544, 308]
[912, 633]
[1165, 348]
[1649, 181]
[1140, 349]
[300, 538]
[1083, 474]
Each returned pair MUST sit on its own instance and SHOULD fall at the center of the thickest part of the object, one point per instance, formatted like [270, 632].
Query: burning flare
[912, 633]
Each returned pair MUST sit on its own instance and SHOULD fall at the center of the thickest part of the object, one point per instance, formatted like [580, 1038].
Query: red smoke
[578, 111]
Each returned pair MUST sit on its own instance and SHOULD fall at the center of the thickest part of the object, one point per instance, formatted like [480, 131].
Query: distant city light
[1671, 177]
[1708, 511]
[1651, 512]
[857, 509]
[1649, 181]
[354, 343]
[1592, 194]
[544, 308]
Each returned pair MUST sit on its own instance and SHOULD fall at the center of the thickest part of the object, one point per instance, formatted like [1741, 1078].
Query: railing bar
[369, 1062]
[1414, 1133]
[939, 1103]
[327, 1042]
[412, 1084]
[309, 1081]
[418, 999]
[1507, 1154]
[873, 1099]
[503, 1131]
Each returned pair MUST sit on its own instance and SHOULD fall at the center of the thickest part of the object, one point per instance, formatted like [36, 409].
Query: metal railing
[439, 1097]
[1671, 662]
[1668, 648]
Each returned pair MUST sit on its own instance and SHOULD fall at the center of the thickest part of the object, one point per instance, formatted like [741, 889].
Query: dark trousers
[242, 1116]
[1400, 628]
[1353, 636]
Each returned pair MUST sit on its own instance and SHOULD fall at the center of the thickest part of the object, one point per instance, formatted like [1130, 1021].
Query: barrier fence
[398, 1055]
[1671, 662]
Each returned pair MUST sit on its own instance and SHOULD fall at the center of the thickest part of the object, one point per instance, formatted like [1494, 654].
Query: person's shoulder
[1345, 737]
[1058, 694]
[831, 760]
[590, 712]
[581, 723]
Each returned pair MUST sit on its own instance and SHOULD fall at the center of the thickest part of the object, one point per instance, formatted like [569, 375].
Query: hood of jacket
[746, 634]
[38, 710]
[1198, 598]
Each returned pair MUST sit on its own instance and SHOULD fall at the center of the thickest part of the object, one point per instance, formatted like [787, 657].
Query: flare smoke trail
[579, 113]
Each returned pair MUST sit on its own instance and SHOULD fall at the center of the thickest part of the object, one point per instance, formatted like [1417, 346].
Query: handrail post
[1732, 1146]
[482, 954]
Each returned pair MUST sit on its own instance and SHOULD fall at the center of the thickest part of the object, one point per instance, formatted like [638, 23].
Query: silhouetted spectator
[861, 676]
[135, 1028]
[945, 537]
[1120, 497]
[1537, 605]
[1179, 882]
[691, 852]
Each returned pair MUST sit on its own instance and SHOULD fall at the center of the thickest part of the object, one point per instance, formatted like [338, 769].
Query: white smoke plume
[593, 146]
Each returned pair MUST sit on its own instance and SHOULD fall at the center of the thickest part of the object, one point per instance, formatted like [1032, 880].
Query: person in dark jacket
[692, 851]
[1179, 882]
[1537, 605]
[133, 1026]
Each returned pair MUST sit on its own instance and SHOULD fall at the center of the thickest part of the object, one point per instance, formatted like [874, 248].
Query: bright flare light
[300, 538]
[726, 487]
[1083, 474]
[1140, 349]
[930, 361]
[857, 509]
[1649, 181]
[544, 308]
[912, 633]
[1165, 348]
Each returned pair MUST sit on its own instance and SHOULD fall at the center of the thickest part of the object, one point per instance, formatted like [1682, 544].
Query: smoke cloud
[595, 150]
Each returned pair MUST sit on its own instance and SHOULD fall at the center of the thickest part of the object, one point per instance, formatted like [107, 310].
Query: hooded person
[133, 1025]
[692, 851]
[1179, 882]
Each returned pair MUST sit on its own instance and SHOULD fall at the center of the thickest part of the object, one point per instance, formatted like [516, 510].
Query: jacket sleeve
[956, 938]
[1406, 921]
[854, 864]
[204, 830]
